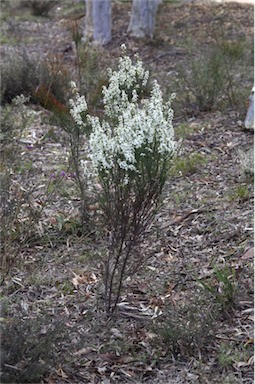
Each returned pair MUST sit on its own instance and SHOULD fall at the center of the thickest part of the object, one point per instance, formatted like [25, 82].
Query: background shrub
[42, 81]
[29, 348]
[14, 119]
[19, 75]
[40, 7]
[214, 80]
[185, 330]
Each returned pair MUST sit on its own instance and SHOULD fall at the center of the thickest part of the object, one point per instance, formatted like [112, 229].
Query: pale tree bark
[98, 21]
[88, 31]
[142, 22]
[249, 119]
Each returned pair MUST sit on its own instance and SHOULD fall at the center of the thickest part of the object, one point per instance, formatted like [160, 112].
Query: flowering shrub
[78, 106]
[130, 151]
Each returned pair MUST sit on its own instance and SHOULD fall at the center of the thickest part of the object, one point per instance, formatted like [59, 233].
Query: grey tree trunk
[142, 22]
[98, 21]
[88, 31]
[249, 119]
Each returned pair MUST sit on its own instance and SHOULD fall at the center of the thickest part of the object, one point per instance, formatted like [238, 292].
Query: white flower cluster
[128, 78]
[132, 130]
[20, 100]
[78, 106]
[142, 130]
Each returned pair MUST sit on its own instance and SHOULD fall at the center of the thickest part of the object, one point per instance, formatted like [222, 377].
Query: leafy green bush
[229, 353]
[241, 193]
[189, 164]
[187, 329]
[204, 82]
[21, 77]
[215, 77]
[92, 75]
[222, 286]
[40, 7]
[20, 213]
[246, 159]
[14, 119]
[29, 348]
[46, 82]
[91, 67]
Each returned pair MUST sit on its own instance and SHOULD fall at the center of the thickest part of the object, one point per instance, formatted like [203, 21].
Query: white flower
[73, 85]
[20, 100]
[128, 78]
[78, 106]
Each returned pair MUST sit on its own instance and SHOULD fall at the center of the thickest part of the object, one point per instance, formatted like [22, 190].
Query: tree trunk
[142, 22]
[98, 21]
[249, 119]
[88, 31]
